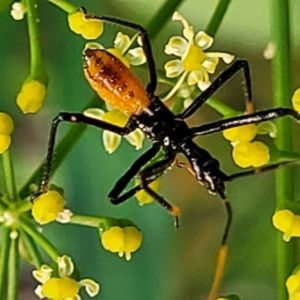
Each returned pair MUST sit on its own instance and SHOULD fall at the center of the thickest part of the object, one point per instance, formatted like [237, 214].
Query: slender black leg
[223, 78]
[74, 118]
[121, 184]
[244, 120]
[149, 174]
[151, 86]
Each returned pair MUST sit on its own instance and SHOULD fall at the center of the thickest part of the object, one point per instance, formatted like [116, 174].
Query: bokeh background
[172, 263]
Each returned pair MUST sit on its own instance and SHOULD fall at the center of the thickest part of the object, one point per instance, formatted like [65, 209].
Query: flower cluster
[6, 129]
[193, 63]
[59, 284]
[247, 153]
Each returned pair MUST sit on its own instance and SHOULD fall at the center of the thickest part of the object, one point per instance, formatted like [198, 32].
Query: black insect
[118, 86]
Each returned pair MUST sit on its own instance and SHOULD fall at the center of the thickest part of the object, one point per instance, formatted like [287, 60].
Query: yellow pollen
[194, 59]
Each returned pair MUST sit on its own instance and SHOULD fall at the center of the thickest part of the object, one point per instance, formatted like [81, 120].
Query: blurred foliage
[172, 263]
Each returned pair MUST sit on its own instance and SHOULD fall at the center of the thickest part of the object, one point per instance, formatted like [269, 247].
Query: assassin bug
[120, 88]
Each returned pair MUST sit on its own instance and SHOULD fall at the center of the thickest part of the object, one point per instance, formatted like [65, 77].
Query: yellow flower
[296, 100]
[244, 133]
[112, 140]
[46, 207]
[193, 62]
[122, 240]
[145, 198]
[287, 222]
[88, 28]
[250, 154]
[31, 96]
[62, 287]
[6, 128]
[293, 286]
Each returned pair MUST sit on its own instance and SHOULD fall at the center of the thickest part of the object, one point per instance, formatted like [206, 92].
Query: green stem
[62, 150]
[65, 5]
[9, 177]
[162, 16]
[36, 68]
[281, 66]
[87, 220]
[217, 17]
[222, 108]
[29, 243]
[40, 239]
[4, 256]
[13, 270]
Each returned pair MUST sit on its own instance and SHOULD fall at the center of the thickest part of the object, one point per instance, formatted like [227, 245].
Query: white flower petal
[194, 77]
[128, 256]
[135, 138]
[136, 56]
[111, 141]
[65, 266]
[121, 42]
[176, 46]
[92, 288]
[42, 274]
[210, 64]
[94, 113]
[93, 45]
[188, 31]
[203, 85]
[227, 58]
[18, 11]
[173, 68]
[270, 50]
[187, 102]
[39, 292]
[203, 40]
[64, 216]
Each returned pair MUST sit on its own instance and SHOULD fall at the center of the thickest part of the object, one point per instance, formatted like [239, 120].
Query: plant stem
[65, 5]
[4, 255]
[40, 239]
[9, 176]
[281, 66]
[217, 17]
[162, 16]
[87, 220]
[13, 270]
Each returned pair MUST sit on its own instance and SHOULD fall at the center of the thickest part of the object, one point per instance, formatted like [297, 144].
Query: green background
[172, 263]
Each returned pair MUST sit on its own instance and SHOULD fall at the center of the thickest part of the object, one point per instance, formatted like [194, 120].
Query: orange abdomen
[114, 82]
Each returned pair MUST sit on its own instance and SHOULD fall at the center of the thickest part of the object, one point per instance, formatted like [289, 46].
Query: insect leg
[149, 174]
[73, 118]
[218, 82]
[244, 120]
[121, 184]
[151, 86]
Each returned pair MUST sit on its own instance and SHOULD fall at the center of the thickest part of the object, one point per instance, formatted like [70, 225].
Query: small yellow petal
[118, 54]
[296, 100]
[173, 68]
[5, 141]
[60, 288]
[244, 133]
[133, 239]
[111, 141]
[113, 239]
[31, 96]
[47, 206]
[6, 123]
[145, 198]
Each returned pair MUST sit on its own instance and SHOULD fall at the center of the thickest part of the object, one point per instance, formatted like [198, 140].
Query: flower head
[250, 154]
[296, 100]
[18, 11]
[112, 140]
[244, 133]
[293, 286]
[88, 28]
[121, 240]
[6, 129]
[31, 96]
[61, 286]
[194, 61]
[47, 207]
[287, 222]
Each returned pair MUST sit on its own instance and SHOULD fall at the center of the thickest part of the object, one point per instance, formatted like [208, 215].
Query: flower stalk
[281, 67]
